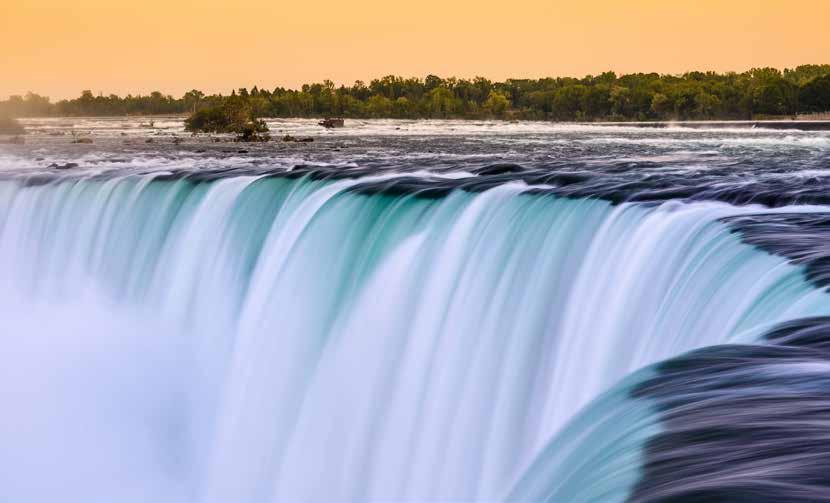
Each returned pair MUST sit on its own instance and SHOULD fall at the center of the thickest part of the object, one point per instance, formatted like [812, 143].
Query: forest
[755, 94]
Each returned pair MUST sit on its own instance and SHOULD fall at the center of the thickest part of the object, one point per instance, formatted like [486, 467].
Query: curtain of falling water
[266, 339]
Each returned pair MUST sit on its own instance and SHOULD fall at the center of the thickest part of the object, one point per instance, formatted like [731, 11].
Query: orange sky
[59, 47]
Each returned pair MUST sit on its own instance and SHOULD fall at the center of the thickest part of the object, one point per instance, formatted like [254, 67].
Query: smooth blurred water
[259, 339]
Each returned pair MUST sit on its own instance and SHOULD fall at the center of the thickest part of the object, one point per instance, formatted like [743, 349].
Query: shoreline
[801, 125]
[779, 124]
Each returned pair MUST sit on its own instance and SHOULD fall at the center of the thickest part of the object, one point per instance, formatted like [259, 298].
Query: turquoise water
[257, 339]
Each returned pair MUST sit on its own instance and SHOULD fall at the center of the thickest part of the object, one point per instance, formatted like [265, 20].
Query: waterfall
[269, 339]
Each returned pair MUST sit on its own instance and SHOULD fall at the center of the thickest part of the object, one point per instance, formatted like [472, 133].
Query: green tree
[567, 102]
[441, 102]
[402, 108]
[771, 93]
[379, 106]
[706, 105]
[636, 96]
[661, 106]
[496, 104]
[192, 99]
[814, 96]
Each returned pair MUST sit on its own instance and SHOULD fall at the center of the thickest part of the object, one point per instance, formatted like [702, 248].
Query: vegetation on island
[233, 115]
[8, 125]
[754, 94]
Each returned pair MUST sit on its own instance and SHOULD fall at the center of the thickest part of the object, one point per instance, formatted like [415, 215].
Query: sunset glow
[57, 47]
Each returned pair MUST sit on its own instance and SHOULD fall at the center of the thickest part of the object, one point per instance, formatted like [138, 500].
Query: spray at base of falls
[271, 339]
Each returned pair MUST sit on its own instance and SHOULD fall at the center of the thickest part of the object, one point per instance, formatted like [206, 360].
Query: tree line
[639, 96]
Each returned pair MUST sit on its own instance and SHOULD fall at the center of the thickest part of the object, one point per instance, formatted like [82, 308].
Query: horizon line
[342, 84]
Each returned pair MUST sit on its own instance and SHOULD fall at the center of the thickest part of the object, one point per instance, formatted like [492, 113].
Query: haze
[58, 48]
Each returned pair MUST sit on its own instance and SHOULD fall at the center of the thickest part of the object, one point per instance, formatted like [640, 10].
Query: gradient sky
[59, 47]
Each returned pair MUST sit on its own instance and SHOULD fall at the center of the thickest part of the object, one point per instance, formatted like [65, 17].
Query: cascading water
[268, 339]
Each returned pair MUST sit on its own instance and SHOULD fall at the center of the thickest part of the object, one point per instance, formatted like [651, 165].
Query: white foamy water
[258, 339]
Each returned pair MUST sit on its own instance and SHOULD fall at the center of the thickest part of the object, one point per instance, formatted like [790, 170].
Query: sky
[58, 47]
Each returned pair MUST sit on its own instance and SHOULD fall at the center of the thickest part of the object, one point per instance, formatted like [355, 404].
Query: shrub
[232, 116]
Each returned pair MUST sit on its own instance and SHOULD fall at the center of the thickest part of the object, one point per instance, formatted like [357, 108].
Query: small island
[233, 116]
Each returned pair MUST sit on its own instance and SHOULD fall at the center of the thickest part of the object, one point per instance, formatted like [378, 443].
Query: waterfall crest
[273, 339]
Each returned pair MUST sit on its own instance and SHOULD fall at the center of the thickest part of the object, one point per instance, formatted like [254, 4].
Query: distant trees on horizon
[638, 96]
